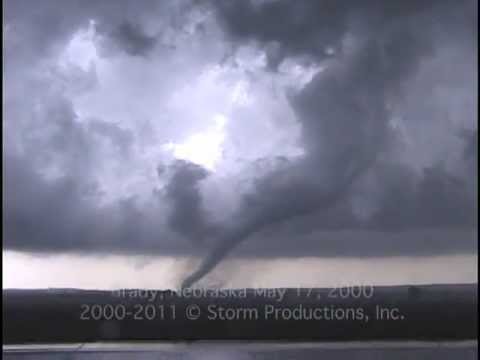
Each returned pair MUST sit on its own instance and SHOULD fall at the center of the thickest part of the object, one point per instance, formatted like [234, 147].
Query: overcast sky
[240, 129]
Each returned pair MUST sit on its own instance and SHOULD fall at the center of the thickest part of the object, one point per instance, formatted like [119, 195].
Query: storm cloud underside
[387, 127]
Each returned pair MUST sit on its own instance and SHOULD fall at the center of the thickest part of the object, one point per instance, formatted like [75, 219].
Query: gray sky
[255, 129]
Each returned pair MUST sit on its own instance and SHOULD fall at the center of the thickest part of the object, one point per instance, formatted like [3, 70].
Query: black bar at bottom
[435, 312]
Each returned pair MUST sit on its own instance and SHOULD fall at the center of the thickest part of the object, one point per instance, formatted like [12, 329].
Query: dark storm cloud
[305, 27]
[471, 150]
[60, 214]
[120, 138]
[63, 212]
[129, 38]
[51, 23]
[344, 112]
[63, 215]
[433, 199]
[133, 39]
[38, 215]
[188, 215]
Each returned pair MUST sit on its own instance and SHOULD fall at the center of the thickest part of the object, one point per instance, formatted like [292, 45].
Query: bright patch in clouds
[203, 148]
[81, 50]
